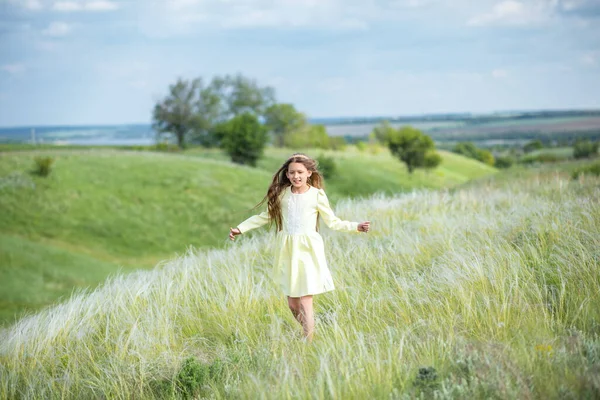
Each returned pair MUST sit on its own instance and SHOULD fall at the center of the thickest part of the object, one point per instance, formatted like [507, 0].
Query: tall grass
[486, 292]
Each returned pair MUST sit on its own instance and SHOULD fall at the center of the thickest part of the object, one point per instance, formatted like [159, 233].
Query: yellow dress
[300, 266]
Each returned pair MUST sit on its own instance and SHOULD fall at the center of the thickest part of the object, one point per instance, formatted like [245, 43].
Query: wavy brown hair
[281, 182]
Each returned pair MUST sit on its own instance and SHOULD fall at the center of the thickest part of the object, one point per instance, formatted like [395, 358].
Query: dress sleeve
[329, 217]
[255, 221]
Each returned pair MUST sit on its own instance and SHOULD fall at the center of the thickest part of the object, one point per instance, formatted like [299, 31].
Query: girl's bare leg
[308, 318]
[294, 304]
[302, 310]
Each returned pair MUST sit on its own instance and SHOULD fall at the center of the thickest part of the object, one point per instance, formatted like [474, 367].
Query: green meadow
[484, 290]
[107, 211]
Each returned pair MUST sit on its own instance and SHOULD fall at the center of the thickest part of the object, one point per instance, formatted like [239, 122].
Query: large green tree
[192, 110]
[283, 119]
[243, 138]
[177, 114]
[412, 147]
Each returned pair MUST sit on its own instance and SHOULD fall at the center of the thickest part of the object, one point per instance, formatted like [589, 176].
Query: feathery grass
[490, 291]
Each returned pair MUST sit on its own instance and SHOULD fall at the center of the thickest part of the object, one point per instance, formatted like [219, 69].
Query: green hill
[485, 291]
[102, 210]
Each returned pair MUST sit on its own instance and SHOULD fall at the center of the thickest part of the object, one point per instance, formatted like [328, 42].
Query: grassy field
[487, 291]
[101, 211]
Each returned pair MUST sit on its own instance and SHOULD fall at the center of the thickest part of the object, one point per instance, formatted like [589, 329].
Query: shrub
[244, 138]
[43, 165]
[504, 162]
[542, 158]
[308, 136]
[432, 160]
[585, 149]
[361, 146]
[164, 146]
[191, 377]
[337, 143]
[533, 145]
[326, 166]
[590, 169]
[411, 146]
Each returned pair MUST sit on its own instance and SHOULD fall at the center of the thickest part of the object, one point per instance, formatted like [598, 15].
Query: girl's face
[298, 174]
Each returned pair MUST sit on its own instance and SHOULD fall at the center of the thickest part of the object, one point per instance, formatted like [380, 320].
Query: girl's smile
[298, 175]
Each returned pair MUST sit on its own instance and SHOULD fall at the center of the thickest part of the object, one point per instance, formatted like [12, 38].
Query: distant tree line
[237, 114]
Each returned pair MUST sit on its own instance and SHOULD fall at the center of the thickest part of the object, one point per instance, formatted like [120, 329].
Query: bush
[43, 166]
[164, 146]
[432, 160]
[585, 149]
[542, 158]
[326, 166]
[591, 169]
[337, 143]
[504, 162]
[533, 145]
[412, 147]
[361, 146]
[308, 136]
[244, 138]
[191, 377]
[485, 157]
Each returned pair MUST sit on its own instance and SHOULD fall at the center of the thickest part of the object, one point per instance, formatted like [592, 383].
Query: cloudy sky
[108, 62]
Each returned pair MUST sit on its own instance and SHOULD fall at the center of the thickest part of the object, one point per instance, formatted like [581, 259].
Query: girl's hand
[233, 232]
[364, 226]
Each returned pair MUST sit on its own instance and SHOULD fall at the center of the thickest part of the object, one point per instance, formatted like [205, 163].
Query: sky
[80, 62]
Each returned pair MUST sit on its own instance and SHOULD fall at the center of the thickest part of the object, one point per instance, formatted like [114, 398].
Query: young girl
[295, 201]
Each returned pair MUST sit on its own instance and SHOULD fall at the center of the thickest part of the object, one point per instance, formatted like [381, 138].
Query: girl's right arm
[256, 221]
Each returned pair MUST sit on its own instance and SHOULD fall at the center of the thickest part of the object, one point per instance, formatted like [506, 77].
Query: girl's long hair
[281, 182]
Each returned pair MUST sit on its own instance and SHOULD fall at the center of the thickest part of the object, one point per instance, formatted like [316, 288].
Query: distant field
[509, 130]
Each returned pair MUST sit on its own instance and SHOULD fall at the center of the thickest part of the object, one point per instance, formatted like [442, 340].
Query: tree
[239, 94]
[504, 162]
[466, 149]
[176, 113]
[282, 120]
[243, 138]
[382, 131]
[486, 157]
[533, 145]
[469, 150]
[192, 110]
[412, 147]
[188, 112]
[308, 136]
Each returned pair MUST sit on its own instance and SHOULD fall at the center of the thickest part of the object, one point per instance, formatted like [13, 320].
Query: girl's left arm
[329, 217]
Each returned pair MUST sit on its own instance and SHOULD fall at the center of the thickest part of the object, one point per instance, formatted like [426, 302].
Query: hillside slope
[105, 209]
[495, 289]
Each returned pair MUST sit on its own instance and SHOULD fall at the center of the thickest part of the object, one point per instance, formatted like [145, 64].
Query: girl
[295, 200]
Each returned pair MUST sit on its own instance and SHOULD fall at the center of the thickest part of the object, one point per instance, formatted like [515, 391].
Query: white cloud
[499, 73]
[513, 12]
[72, 6]
[13, 68]
[101, 6]
[182, 16]
[33, 5]
[590, 59]
[57, 29]
[67, 6]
